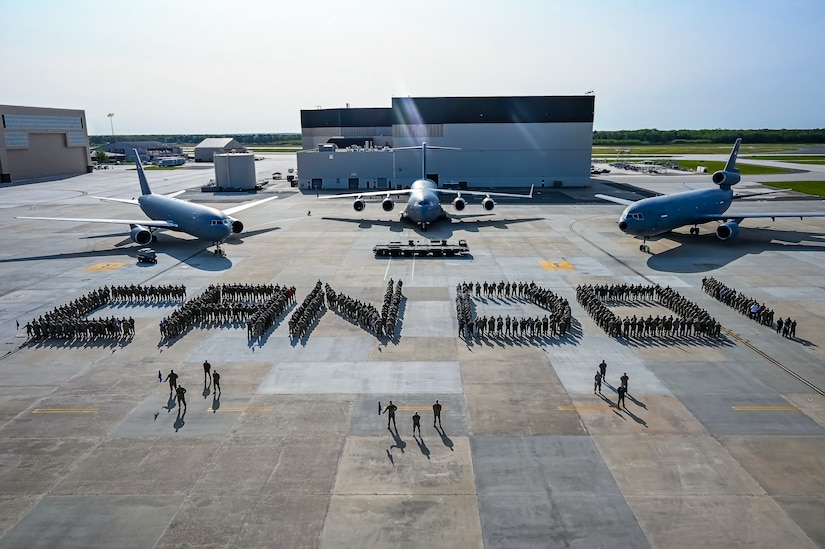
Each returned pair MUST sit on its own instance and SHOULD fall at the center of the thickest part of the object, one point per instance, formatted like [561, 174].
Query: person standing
[624, 379]
[597, 386]
[390, 411]
[603, 370]
[181, 394]
[172, 377]
[206, 369]
[621, 392]
[216, 381]
[437, 413]
[416, 423]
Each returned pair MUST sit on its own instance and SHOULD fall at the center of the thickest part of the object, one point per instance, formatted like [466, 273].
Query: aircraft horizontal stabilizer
[124, 200]
[616, 199]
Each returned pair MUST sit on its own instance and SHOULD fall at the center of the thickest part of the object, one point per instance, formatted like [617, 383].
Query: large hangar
[544, 141]
[40, 142]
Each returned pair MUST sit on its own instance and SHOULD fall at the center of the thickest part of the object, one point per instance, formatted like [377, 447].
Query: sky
[249, 66]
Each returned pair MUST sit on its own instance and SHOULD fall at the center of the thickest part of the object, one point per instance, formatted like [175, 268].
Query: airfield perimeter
[719, 447]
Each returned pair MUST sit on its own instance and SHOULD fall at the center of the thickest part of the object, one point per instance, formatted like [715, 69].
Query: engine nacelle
[359, 205]
[459, 203]
[488, 203]
[726, 179]
[387, 204]
[237, 226]
[727, 230]
[141, 235]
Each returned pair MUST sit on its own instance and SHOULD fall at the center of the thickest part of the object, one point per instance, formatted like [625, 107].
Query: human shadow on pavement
[179, 421]
[216, 402]
[206, 390]
[421, 446]
[636, 418]
[400, 444]
[170, 404]
[638, 403]
[447, 441]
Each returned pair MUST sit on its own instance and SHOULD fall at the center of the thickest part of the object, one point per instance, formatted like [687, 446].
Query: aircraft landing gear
[218, 250]
[644, 247]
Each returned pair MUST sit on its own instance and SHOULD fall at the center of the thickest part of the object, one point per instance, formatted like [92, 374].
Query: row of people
[81, 328]
[737, 300]
[306, 313]
[141, 293]
[265, 316]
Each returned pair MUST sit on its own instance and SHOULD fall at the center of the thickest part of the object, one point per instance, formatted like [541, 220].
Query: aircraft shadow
[441, 229]
[705, 252]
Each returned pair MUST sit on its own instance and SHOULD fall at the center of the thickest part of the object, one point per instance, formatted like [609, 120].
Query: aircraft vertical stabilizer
[731, 165]
[144, 185]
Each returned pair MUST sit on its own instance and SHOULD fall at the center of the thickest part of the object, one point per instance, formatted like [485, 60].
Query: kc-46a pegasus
[660, 214]
[168, 212]
[423, 206]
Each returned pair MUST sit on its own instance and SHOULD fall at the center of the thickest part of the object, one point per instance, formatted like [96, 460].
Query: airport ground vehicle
[433, 248]
[147, 255]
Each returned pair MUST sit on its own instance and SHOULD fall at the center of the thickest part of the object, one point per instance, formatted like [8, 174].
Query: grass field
[794, 159]
[816, 188]
[707, 148]
[744, 169]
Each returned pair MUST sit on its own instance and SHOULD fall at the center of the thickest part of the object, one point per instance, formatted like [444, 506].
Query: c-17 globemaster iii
[661, 214]
[168, 212]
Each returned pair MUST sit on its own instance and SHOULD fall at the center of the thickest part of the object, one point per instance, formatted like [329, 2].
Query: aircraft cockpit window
[636, 216]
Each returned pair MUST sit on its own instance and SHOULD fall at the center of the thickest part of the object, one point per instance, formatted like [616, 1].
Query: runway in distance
[168, 212]
[423, 205]
[661, 214]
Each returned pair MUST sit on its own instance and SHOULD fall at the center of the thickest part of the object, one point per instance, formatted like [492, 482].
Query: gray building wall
[40, 142]
[550, 146]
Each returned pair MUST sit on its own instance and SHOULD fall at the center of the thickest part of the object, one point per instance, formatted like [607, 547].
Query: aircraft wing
[735, 215]
[484, 193]
[124, 200]
[142, 222]
[366, 194]
[236, 209]
[616, 199]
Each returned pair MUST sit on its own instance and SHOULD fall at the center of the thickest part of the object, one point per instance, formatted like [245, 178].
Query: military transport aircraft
[423, 206]
[168, 212]
[660, 214]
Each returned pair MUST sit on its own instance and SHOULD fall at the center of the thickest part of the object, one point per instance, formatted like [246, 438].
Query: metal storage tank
[235, 171]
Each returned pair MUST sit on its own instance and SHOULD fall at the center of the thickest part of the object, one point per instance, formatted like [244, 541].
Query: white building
[206, 149]
[501, 141]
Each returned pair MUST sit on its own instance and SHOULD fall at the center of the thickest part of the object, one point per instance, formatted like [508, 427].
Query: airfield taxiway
[719, 446]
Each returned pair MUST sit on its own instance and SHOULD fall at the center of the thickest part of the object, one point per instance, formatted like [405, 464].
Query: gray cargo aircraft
[661, 214]
[168, 212]
[423, 206]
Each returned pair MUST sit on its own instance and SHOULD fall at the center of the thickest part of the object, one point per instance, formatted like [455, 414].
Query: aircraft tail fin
[423, 147]
[731, 165]
[144, 185]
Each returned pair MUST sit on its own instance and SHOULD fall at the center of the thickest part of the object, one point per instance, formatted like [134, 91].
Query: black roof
[492, 110]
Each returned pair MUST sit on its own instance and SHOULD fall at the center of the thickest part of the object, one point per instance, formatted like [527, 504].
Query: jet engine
[727, 230]
[459, 203]
[359, 205]
[387, 204]
[140, 235]
[237, 225]
[725, 178]
[488, 203]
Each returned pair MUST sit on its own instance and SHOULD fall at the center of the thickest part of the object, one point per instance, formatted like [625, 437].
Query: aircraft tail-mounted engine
[237, 225]
[727, 230]
[726, 178]
[387, 204]
[140, 235]
[459, 203]
[359, 204]
[488, 203]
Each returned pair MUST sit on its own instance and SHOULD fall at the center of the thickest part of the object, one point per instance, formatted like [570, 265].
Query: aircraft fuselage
[423, 205]
[660, 214]
[195, 219]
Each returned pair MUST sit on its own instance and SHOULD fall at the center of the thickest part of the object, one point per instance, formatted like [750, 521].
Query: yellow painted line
[109, 266]
[65, 410]
[425, 407]
[789, 408]
[242, 409]
[557, 266]
[573, 407]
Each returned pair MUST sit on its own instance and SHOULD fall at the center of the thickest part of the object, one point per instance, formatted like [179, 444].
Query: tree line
[675, 137]
[283, 139]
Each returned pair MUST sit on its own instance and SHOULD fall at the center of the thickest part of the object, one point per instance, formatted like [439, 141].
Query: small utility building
[209, 147]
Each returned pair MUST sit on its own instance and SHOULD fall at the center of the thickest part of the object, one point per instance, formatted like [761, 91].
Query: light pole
[111, 115]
